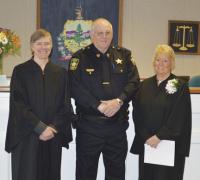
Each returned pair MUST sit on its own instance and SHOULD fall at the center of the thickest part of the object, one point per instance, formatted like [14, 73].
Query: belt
[99, 119]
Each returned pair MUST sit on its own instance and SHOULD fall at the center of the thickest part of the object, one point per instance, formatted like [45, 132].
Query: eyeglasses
[103, 34]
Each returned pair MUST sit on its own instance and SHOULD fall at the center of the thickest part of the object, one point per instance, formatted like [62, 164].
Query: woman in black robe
[162, 111]
[39, 117]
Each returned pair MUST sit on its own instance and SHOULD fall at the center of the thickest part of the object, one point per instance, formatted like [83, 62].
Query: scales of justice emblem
[75, 35]
[183, 38]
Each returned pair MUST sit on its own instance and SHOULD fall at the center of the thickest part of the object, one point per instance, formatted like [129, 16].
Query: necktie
[106, 76]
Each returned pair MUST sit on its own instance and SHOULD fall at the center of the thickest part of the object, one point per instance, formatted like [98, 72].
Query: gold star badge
[118, 61]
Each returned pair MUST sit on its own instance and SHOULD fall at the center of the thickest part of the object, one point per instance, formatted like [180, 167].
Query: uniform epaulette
[118, 48]
[79, 52]
[87, 47]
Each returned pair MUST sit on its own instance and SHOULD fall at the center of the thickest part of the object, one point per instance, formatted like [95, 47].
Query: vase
[1, 66]
[3, 79]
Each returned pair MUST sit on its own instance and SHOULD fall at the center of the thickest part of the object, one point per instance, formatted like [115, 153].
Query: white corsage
[172, 86]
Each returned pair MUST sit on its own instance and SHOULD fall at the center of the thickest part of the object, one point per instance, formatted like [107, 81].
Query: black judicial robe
[166, 115]
[37, 100]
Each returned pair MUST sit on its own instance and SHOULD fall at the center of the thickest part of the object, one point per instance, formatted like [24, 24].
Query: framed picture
[184, 36]
[69, 22]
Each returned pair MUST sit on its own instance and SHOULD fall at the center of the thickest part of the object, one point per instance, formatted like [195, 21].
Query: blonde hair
[165, 49]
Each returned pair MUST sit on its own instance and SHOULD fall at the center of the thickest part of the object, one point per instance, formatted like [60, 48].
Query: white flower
[3, 38]
[172, 86]
[4, 41]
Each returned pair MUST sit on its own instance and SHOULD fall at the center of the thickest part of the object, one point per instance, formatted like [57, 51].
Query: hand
[153, 141]
[102, 107]
[109, 108]
[47, 134]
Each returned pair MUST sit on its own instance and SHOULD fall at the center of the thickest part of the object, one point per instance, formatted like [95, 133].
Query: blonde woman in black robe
[162, 111]
[39, 117]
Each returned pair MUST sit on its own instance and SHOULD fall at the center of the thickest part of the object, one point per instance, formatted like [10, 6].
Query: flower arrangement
[172, 86]
[9, 44]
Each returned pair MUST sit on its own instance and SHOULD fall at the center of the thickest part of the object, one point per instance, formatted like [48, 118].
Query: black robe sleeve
[63, 117]
[178, 125]
[179, 117]
[140, 128]
[21, 118]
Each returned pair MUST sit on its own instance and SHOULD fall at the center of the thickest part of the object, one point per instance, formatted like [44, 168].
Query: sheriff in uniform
[103, 80]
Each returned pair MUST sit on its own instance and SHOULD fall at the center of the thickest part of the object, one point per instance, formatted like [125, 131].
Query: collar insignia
[98, 55]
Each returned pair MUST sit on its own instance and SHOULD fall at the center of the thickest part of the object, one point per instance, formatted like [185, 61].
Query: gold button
[98, 55]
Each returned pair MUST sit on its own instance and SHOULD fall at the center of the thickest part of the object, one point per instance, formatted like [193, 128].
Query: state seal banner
[69, 23]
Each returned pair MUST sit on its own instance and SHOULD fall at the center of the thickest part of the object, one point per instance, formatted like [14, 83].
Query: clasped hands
[153, 141]
[109, 108]
[47, 134]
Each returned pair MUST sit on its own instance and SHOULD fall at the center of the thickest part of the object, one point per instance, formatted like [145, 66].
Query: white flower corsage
[172, 86]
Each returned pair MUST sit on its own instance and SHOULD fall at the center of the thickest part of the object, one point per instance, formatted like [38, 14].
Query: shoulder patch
[74, 64]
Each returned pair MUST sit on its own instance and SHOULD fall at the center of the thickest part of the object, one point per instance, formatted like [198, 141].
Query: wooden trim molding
[4, 89]
[120, 23]
[38, 14]
[194, 90]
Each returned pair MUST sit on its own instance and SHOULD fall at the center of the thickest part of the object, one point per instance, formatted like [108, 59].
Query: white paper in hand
[162, 155]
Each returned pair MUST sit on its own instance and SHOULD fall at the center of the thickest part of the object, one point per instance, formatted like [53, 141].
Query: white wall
[145, 24]
[19, 16]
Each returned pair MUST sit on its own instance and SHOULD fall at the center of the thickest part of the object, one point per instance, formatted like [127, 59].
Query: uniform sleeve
[78, 91]
[133, 79]
[179, 121]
